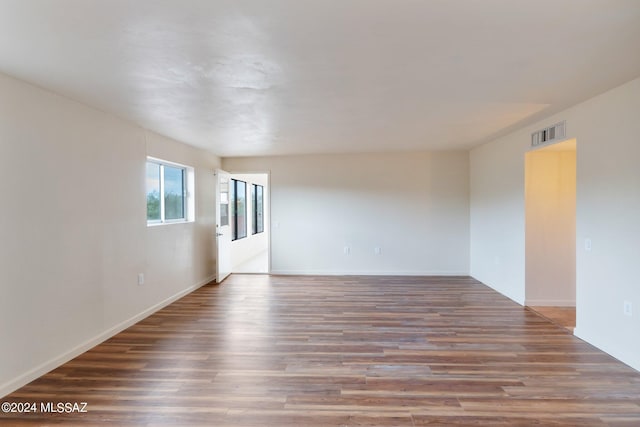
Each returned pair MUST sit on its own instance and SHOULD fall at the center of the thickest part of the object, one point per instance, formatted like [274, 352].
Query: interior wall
[181, 255]
[414, 207]
[497, 255]
[550, 193]
[74, 234]
[243, 250]
[607, 212]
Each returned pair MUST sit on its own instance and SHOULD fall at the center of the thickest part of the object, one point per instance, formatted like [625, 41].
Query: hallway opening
[550, 235]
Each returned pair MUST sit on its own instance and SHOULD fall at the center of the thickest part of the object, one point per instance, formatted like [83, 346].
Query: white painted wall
[252, 245]
[497, 256]
[550, 193]
[73, 229]
[414, 206]
[607, 211]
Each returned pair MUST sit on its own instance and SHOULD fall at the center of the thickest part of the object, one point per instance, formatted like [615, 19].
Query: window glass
[241, 209]
[153, 191]
[232, 206]
[173, 193]
[224, 203]
[257, 193]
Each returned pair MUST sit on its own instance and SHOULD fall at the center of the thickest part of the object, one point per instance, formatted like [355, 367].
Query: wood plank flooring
[340, 351]
[561, 316]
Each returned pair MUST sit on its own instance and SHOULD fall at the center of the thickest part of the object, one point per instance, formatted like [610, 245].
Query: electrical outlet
[587, 245]
[377, 250]
[628, 308]
[347, 250]
[140, 278]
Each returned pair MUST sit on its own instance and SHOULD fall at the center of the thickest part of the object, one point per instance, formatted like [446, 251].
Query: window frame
[233, 202]
[254, 202]
[187, 190]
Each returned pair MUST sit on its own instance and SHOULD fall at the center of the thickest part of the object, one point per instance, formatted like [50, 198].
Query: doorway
[250, 249]
[550, 231]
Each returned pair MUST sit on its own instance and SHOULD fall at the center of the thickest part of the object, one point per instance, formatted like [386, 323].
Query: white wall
[73, 229]
[607, 211]
[252, 245]
[414, 206]
[497, 256]
[550, 193]
[182, 255]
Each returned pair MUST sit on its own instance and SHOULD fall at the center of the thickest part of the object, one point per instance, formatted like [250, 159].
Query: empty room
[319, 213]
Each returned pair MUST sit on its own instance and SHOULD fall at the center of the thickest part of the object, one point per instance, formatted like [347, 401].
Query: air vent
[549, 135]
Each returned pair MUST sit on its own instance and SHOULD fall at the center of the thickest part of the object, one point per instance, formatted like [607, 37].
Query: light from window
[166, 192]
[257, 199]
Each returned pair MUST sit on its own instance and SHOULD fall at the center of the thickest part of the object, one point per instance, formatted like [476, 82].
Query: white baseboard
[550, 302]
[585, 336]
[48, 366]
[367, 273]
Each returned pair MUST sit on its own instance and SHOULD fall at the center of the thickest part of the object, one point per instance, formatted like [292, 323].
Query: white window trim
[188, 193]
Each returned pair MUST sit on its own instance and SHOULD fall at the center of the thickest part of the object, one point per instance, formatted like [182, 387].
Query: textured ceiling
[262, 77]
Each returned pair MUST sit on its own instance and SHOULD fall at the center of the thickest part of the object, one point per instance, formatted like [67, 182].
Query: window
[167, 195]
[257, 199]
[224, 201]
[153, 192]
[238, 196]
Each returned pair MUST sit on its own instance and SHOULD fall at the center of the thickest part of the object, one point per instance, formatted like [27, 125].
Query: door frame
[222, 232]
[268, 224]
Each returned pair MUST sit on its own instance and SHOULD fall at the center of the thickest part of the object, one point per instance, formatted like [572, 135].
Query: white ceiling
[261, 77]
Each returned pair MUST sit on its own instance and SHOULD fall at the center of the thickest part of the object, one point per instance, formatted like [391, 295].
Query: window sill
[160, 224]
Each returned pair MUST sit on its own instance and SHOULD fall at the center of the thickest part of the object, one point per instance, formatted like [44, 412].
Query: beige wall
[73, 229]
[413, 206]
[607, 211]
[550, 193]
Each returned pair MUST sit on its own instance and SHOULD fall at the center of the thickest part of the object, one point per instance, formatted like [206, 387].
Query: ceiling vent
[549, 135]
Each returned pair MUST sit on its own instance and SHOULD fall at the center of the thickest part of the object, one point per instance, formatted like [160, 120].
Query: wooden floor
[340, 351]
[562, 316]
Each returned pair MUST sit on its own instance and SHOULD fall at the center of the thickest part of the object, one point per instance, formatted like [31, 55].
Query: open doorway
[249, 194]
[550, 235]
